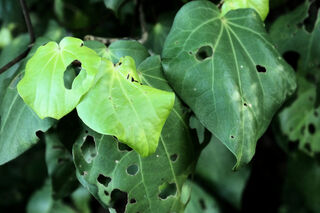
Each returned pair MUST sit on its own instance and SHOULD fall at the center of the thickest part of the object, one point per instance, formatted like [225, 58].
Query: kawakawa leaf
[60, 166]
[18, 122]
[108, 168]
[201, 201]
[228, 72]
[120, 105]
[299, 121]
[42, 86]
[261, 6]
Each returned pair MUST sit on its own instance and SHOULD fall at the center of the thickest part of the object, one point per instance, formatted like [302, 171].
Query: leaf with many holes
[107, 167]
[299, 121]
[201, 201]
[60, 167]
[233, 85]
[18, 123]
[295, 38]
[120, 105]
[42, 86]
[261, 6]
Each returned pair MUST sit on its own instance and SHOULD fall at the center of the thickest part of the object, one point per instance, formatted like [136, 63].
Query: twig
[220, 4]
[142, 39]
[31, 34]
[27, 20]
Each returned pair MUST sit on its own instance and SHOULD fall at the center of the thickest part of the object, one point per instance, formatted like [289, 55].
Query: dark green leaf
[232, 84]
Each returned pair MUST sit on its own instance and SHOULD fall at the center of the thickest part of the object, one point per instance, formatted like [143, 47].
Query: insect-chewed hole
[132, 200]
[204, 53]
[88, 149]
[104, 180]
[133, 169]
[119, 200]
[167, 190]
[202, 204]
[261, 68]
[311, 128]
[124, 147]
[71, 73]
[292, 58]
[174, 157]
[106, 193]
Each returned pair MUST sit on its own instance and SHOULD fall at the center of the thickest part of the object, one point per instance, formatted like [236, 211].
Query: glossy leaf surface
[232, 84]
[42, 86]
[119, 105]
[151, 184]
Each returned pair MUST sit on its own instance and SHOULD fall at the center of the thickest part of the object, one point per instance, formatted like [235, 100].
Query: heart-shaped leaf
[119, 105]
[228, 72]
[42, 86]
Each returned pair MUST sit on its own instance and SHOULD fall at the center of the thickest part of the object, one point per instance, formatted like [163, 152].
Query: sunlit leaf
[261, 6]
[42, 86]
[119, 105]
[232, 84]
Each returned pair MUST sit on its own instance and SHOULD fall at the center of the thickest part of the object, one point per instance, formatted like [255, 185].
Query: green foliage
[227, 80]
[261, 6]
[93, 120]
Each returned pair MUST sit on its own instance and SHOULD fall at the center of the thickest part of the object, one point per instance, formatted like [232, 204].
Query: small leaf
[42, 87]
[261, 6]
[215, 68]
[113, 4]
[119, 105]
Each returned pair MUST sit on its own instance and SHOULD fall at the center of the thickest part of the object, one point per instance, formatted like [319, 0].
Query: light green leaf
[81, 199]
[201, 201]
[108, 159]
[60, 166]
[42, 86]
[233, 85]
[119, 105]
[261, 6]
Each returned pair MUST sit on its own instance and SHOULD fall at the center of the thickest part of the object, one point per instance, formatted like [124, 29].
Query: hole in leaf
[133, 169]
[245, 104]
[174, 157]
[88, 149]
[81, 45]
[312, 129]
[132, 200]
[119, 200]
[84, 173]
[39, 134]
[71, 73]
[167, 190]
[261, 68]
[202, 204]
[307, 147]
[292, 58]
[204, 53]
[232, 137]
[103, 180]
[310, 21]
[124, 147]
[106, 193]
[293, 145]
